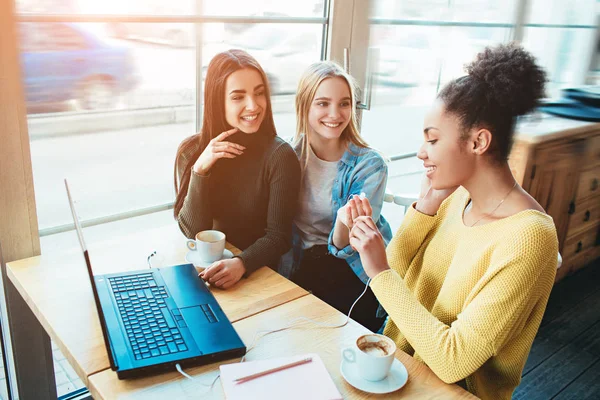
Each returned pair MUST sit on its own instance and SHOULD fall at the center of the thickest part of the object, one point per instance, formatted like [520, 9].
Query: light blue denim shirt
[359, 171]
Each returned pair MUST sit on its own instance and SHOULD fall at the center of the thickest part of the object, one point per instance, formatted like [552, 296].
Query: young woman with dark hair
[237, 175]
[467, 276]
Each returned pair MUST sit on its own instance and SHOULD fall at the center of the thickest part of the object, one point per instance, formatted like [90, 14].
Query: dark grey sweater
[251, 198]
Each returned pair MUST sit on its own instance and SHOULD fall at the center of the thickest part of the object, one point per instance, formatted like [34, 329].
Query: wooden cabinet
[558, 162]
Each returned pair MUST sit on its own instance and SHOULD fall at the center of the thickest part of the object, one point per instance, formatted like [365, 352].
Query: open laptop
[153, 319]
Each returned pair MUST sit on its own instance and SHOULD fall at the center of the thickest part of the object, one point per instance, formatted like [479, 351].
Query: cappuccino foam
[375, 348]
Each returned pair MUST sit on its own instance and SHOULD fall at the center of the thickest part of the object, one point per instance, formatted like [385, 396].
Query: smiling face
[446, 157]
[330, 110]
[245, 100]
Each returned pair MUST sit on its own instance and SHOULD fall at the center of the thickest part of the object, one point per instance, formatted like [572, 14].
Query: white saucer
[395, 379]
[192, 256]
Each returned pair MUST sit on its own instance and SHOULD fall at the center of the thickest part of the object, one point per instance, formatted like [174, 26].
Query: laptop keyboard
[151, 329]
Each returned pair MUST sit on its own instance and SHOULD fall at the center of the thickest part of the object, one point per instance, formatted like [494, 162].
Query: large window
[562, 35]
[415, 47]
[113, 87]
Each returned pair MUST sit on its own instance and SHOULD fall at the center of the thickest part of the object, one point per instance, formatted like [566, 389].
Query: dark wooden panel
[562, 368]
[587, 386]
[562, 330]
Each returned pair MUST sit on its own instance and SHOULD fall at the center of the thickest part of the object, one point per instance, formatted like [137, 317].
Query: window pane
[460, 45]
[249, 8]
[565, 53]
[404, 82]
[283, 50]
[128, 7]
[414, 62]
[445, 10]
[110, 102]
[572, 12]
[265, 8]
[108, 116]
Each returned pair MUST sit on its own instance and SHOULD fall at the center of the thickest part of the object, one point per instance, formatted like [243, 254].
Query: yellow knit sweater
[468, 301]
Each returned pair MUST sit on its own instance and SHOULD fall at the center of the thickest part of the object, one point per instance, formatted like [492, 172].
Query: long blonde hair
[307, 88]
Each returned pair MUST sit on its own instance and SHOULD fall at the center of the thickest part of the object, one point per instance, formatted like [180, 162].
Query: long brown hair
[213, 121]
[307, 88]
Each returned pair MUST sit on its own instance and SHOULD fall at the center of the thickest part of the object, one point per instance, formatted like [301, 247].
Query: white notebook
[306, 381]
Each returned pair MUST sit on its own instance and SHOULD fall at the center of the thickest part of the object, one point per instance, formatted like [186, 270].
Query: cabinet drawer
[576, 263]
[589, 184]
[580, 244]
[586, 258]
[587, 214]
[592, 151]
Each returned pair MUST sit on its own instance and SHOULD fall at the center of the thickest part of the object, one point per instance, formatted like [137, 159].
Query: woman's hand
[367, 240]
[217, 148]
[224, 273]
[431, 199]
[356, 207]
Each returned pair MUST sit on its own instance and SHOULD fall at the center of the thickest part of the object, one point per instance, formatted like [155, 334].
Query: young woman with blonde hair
[237, 175]
[337, 167]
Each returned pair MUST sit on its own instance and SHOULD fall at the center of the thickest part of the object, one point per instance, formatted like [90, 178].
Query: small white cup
[209, 245]
[373, 355]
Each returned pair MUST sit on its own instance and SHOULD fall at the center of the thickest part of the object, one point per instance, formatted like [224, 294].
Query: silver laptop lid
[75, 219]
[88, 263]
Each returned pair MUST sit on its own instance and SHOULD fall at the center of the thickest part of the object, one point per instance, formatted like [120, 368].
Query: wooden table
[56, 301]
[57, 291]
[306, 337]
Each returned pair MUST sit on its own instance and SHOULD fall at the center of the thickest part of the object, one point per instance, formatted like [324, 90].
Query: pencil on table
[272, 370]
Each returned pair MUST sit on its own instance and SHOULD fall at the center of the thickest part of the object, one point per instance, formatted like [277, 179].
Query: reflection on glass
[445, 10]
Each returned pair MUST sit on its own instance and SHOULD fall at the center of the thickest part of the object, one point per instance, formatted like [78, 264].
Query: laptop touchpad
[198, 316]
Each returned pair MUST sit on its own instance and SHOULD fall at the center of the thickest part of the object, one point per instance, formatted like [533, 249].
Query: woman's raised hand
[368, 241]
[356, 207]
[431, 199]
[217, 148]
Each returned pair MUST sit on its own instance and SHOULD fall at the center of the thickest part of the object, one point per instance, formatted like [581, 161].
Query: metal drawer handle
[586, 218]
[579, 247]
[594, 184]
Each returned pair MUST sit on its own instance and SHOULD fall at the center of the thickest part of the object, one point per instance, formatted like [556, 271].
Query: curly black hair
[502, 83]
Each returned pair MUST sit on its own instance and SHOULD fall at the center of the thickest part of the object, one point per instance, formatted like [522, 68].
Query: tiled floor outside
[67, 380]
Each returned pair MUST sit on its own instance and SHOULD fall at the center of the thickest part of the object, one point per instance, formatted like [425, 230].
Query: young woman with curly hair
[467, 276]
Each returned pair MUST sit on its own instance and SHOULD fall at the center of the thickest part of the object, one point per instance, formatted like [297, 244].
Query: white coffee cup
[209, 245]
[373, 355]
